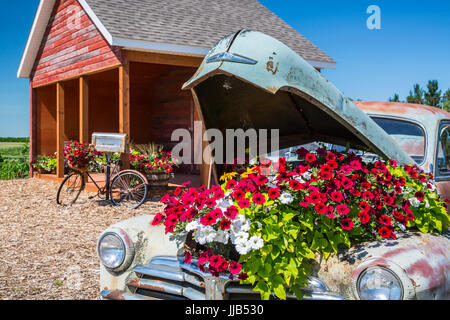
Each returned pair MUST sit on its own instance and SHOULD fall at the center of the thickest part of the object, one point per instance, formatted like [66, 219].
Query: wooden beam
[60, 129]
[84, 110]
[124, 107]
[33, 127]
[115, 66]
[164, 58]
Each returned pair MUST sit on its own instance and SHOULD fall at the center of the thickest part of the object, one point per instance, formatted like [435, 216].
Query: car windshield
[409, 136]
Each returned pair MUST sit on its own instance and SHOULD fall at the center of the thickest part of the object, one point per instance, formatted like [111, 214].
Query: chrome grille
[168, 277]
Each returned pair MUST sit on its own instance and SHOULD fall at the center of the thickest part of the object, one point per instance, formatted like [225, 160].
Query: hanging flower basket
[78, 155]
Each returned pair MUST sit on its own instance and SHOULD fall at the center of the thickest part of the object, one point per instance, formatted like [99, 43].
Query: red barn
[118, 66]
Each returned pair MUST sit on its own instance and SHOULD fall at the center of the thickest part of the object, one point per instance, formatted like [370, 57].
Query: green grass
[10, 145]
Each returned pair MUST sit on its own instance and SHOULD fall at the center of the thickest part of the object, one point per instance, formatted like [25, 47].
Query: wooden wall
[72, 45]
[104, 102]
[172, 108]
[46, 120]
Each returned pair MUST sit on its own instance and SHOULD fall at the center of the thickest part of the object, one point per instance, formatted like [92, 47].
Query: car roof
[417, 112]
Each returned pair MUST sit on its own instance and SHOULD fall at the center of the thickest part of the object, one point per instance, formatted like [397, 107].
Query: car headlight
[115, 250]
[378, 283]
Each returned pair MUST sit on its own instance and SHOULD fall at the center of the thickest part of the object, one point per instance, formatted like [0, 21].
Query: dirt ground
[49, 252]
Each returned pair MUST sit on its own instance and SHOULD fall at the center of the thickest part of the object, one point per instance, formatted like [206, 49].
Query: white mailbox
[110, 142]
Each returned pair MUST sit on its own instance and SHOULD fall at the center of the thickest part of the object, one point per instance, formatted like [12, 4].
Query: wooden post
[33, 128]
[124, 107]
[60, 129]
[84, 110]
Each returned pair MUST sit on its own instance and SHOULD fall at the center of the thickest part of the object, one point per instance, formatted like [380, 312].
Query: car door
[442, 159]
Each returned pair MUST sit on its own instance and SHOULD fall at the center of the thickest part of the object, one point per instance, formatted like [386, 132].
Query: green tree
[395, 98]
[416, 95]
[446, 100]
[432, 95]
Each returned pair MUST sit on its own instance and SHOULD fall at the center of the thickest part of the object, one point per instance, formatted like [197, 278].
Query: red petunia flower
[243, 276]
[336, 196]
[342, 209]
[231, 184]
[273, 193]
[208, 220]
[389, 200]
[225, 224]
[259, 198]
[310, 157]
[384, 232]
[347, 224]
[235, 267]
[231, 212]
[216, 213]
[367, 195]
[364, 217]
[244, 203]
[210, 202]
[157, 219]
[346, 183]
[295, 185]
[238, 195]
[321, 208]
[420, 195]
[384, 219]
[364, 206]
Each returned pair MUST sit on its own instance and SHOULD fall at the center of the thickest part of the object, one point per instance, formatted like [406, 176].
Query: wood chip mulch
[48, 251]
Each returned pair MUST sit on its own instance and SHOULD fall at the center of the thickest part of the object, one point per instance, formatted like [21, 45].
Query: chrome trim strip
[230, 57]
[160, 272]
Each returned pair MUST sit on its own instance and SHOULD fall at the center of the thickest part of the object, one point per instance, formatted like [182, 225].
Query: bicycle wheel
[70, 189]
[129, 188]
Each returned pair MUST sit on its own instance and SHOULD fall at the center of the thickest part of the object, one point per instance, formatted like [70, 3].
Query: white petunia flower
[306, 175]
[239, 237]
[286, 198]
[414, 202]
[191, 226]
[210, 234]
[256, 242]
[224, 203]
[200, 237]
[427, 204]
[222, 236]
[243, 247]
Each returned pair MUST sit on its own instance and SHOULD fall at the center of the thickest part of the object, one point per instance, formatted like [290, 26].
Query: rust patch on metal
[137, 284]
[270, 66]
[115, 295]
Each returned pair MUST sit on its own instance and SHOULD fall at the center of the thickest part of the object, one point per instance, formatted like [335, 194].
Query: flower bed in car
[264, 225]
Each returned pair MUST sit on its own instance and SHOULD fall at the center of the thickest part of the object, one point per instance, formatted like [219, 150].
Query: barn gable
[72, 45]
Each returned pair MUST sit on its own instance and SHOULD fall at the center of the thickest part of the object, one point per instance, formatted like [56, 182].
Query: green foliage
[14, 169]
[11, 139]
[46, 164]
[14, 162]
[294, 235]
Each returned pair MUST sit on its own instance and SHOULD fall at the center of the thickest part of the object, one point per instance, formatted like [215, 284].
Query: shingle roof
[197, 22]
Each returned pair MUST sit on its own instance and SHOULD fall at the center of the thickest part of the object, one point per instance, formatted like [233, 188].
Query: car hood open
[251, 80]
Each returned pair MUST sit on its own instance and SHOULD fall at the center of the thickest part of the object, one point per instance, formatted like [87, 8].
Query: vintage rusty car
[250, 80]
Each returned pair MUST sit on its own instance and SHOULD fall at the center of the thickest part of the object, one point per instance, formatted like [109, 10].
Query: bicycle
[126, 186]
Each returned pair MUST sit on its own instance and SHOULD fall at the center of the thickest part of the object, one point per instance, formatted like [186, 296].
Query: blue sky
[412, 46]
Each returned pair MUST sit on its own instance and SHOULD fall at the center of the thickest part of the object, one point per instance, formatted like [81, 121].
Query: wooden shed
[118, 66]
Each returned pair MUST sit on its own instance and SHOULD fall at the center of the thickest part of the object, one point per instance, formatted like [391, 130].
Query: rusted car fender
[420, 261]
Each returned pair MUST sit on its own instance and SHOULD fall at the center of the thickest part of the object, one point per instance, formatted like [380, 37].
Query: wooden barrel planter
[158, 180]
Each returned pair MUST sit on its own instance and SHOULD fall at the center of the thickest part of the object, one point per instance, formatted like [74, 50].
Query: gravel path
[49, 252]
